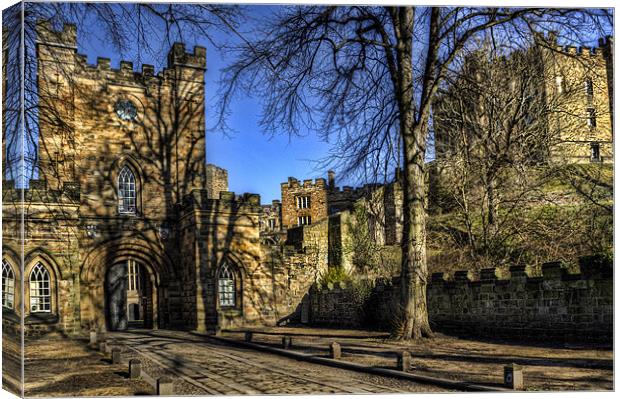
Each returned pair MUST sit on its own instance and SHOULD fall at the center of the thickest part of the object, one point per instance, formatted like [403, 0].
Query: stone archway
[129, 296]
[94, 275]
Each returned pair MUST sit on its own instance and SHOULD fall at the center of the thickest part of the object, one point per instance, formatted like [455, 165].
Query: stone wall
[292, 279]
[554, 305]
[337, 305]
[217, 180]
[218, 232]
[50, 237]
[312, 243]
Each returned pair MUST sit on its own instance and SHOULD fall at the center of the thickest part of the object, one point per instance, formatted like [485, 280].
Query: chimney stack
[331, 179]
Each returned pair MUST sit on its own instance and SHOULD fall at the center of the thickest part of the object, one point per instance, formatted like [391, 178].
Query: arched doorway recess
[129, 296]
[154, 266]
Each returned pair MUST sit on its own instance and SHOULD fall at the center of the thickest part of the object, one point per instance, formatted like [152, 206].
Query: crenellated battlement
[123, 73]
[294, 183]
[177, 57]
[39, 192]
[353, 192]
[520, 273]
[199, 199]
[126, 71]
[580, 51]
[552, 42]
[552, 304]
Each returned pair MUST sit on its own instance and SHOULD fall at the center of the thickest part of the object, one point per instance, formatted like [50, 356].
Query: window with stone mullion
[40, 289]
[226, 287]
[8, 285]
[126, 191]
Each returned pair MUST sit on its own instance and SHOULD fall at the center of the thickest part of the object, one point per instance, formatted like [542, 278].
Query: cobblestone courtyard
[201, 365]
[206, 366]
[547, 366]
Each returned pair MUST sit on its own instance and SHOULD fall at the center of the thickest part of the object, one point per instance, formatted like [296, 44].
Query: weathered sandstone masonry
[554, 305]
[214, 231]
[125, 198]
[315, 205]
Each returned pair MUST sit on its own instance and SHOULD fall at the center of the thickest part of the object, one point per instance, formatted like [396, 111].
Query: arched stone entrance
[107, 303]
[128, 296]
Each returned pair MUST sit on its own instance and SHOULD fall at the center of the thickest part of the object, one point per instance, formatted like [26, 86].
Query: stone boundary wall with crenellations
[336, 305]
[498, 303]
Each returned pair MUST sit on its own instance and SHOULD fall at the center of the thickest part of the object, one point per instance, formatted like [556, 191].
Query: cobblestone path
[210, 367]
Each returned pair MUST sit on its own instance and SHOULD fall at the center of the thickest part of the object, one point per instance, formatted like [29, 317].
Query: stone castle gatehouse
[126, 225]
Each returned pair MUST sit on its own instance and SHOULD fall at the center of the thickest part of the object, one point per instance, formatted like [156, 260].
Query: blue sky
[256, 162]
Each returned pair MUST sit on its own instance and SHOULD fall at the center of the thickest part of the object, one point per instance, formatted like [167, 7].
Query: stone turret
[46, 34]
[178, 56]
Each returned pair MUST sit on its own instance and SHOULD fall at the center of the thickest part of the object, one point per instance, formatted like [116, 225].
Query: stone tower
[579, 90]
[95, 119]
[304, 203]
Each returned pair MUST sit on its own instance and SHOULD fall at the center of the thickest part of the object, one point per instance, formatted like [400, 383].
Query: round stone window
[126, 110]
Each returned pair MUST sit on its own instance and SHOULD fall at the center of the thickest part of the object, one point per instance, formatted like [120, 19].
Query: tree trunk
[414, 322]
[414, 273]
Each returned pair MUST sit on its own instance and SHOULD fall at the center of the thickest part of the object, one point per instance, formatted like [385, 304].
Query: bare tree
[365, 77]
[491, 131]
[497, 149]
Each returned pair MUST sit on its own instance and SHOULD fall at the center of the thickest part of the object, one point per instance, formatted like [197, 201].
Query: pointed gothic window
[226, 289]
[8, 285]
[40, 290]
[126, 191]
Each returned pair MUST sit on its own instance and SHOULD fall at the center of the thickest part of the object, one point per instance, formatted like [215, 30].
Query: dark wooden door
[146, 292]
[116, 294]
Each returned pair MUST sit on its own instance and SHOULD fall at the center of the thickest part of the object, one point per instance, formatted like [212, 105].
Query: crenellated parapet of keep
[178, 56]
[600, 51]
[604, 45]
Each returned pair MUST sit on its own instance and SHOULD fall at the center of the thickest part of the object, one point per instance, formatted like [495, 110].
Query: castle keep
[584, 119]
[570, 100]
[127, 226]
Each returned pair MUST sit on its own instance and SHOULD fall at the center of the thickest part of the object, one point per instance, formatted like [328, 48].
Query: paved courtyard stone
[57, 366]
[550, 366]
[216, 368]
